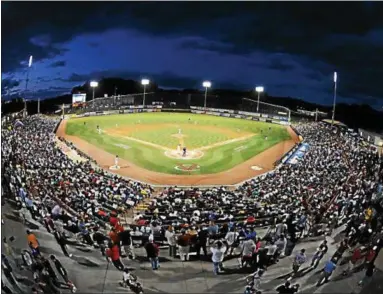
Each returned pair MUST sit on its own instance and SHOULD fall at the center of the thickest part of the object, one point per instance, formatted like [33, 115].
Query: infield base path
[235, 175]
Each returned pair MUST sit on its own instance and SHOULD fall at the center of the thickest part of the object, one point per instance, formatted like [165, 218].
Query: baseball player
[116, 161]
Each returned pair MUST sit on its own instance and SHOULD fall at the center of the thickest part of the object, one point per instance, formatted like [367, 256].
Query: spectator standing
[152, 252]
[33, 243]
[202, 239]
[184, 245]
[232, 240]
[114, 254]
[329, 268]
[171, 239]
[62, 242]
[218, 251]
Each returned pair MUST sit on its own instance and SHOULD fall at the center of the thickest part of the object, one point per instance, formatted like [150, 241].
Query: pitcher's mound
[192, 154]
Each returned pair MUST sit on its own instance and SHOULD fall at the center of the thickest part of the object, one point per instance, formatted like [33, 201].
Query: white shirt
[56, 210]
[170, 238]
[218, 254]
[248, 247]
[231, 237]
[271, 250]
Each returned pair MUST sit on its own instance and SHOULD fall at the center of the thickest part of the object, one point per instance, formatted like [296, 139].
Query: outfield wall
[282, 120]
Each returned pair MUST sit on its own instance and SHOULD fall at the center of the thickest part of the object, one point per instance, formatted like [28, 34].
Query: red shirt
[101, 213]
[356, 255]
[257, 246]
[113, 253]
[114, 237]
[113, 221]
[370, 255]
[141, 222]
[250, 219]
[118, 228]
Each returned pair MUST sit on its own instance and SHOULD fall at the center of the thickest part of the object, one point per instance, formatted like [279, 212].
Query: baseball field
[155, 141]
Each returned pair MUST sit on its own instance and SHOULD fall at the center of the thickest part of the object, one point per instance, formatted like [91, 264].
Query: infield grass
[225, 142]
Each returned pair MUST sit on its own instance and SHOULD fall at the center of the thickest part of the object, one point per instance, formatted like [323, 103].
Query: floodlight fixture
[259, 89]
[144, 82]
[206, 84]
[30, 61]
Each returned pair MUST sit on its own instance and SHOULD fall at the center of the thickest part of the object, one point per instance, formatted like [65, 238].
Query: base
[114, 167]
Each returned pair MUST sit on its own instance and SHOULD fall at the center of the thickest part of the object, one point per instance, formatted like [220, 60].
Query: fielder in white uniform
[116, 161]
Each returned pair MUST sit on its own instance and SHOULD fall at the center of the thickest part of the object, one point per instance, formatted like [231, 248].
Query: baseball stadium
[148, 199]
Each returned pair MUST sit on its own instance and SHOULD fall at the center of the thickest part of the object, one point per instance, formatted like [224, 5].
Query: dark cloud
[280, 64]
[51, 92]
[60, 63]
[7, 85]
[163, 79]
[326, 36]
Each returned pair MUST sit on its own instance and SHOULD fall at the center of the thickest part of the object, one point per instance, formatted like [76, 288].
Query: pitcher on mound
[116, 161]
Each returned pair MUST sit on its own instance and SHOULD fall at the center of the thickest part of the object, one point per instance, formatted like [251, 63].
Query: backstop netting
[266, 109]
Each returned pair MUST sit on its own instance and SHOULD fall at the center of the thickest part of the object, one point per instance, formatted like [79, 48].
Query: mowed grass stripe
[215, 159]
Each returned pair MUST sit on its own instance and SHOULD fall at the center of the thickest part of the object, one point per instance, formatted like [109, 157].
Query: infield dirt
[235, 175]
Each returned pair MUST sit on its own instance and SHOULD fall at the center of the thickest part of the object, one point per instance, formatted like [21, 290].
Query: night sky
[292, 49]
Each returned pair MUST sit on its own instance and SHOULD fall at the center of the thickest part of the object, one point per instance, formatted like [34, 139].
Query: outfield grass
[160, 128]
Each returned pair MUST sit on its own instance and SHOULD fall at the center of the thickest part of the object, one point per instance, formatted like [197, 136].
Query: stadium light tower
[334, 103]
[259, 90]
[144, 82]
[26, 86]
[207, 85]
[93, 85]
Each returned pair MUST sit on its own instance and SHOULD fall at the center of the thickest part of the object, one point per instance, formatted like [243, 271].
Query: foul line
[226, 142]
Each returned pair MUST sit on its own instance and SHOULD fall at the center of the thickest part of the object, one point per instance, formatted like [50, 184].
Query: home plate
[114, 167]
[256, 167]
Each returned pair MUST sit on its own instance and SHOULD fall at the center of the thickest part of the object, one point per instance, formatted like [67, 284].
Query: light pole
[333, 107]
[26, 85]
[207, 85]
[93, 85]
[115, 93]
[259, 90]
[144, 82]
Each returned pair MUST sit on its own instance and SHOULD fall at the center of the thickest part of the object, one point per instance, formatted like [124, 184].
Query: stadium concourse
[80, 213]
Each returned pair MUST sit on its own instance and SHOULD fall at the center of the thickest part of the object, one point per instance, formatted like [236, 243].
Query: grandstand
[307, 196]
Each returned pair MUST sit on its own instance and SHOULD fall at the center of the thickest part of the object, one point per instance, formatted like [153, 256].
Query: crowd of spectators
[38, 171]
[335, 182]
